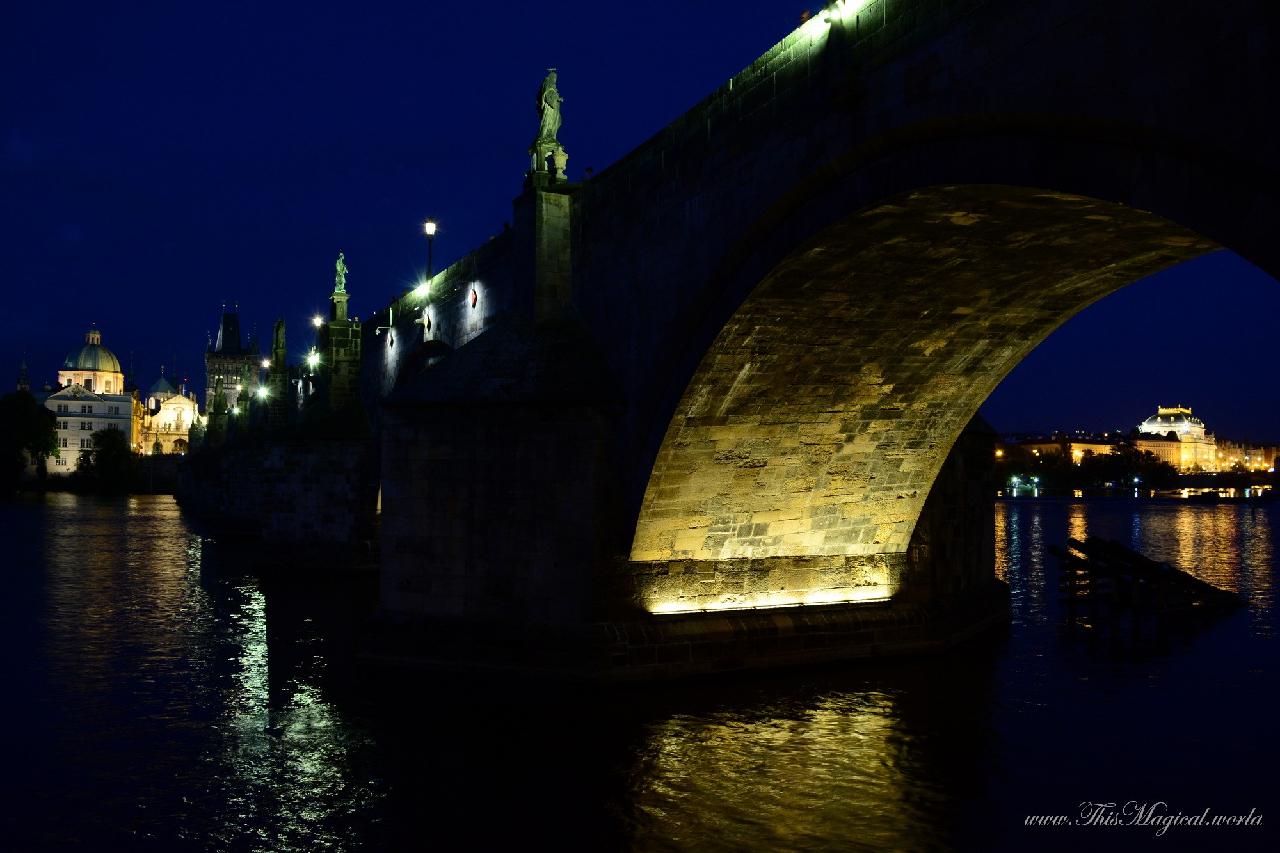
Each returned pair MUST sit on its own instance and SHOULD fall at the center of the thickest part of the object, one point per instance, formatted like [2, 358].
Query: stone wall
[800, 292]
[460, 302]
[841, 116]
[497, 471]
[313, 493]
[820, 416]
[951, 551]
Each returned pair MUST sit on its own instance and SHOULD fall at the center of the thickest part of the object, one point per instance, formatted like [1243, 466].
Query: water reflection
[1227, 545]
[177, 703]
[163, 685]
[784, 779]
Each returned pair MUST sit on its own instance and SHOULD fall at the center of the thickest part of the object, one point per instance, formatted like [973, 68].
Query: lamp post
[429, 228]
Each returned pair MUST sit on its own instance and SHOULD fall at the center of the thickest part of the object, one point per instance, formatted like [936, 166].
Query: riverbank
[148, 475]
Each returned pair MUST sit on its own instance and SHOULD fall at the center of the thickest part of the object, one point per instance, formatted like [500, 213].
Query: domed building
[93, 367]
[1182, 439]
[92, 398]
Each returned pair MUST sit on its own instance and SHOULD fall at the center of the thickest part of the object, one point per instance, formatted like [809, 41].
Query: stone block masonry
[792, 300]
[315, 493]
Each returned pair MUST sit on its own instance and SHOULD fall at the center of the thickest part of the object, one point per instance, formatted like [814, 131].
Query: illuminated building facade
[1196, 449]
[169, 414]
[1074, 446]
[92, 397]
[1252, 457]
[1166, 448]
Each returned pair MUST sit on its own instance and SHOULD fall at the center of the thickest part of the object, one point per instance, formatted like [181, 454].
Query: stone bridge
[725, 373]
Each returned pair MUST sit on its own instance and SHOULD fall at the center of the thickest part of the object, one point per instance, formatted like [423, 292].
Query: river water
[161, 699]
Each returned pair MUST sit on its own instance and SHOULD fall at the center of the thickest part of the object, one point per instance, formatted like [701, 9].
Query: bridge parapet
[445, 312]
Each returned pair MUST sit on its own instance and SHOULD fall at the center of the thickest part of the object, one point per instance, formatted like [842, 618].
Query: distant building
[92, 398]
[1173, 435]
[1252, 457]
[1166, 448]
[168, 415]
[1196, 449]
[230, 365]
[1073, 446]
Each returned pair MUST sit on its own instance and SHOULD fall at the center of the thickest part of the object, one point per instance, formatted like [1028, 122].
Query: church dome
[1175, 419]
[93, 356]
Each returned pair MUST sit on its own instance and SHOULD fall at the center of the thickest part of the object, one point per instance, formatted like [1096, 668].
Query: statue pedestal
[548, 164]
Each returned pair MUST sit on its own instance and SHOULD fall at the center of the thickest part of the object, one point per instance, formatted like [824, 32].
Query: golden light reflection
[1002, 541]
[838, 774]
[1077, 523]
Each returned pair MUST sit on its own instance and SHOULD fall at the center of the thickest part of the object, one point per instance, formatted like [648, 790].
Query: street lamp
[317, 321]
[429, 228]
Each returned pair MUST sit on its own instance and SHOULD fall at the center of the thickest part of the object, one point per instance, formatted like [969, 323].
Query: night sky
[160, 159]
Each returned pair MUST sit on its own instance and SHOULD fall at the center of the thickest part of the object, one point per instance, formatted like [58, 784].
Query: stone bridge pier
[716, 406]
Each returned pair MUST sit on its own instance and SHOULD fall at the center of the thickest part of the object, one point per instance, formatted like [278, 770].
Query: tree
[195, 435]
[109, 464]
[28, 431]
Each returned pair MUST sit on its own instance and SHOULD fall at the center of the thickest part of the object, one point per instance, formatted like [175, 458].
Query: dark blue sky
[162, 158]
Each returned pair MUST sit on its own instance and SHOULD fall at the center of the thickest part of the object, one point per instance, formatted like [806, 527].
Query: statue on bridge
[277, 347]
[547, 157]
[340, 277]
[549, 102]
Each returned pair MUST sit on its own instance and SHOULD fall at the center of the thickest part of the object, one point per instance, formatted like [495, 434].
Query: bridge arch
[801, 453]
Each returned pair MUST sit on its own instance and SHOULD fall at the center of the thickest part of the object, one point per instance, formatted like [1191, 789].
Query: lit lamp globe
[429, 228]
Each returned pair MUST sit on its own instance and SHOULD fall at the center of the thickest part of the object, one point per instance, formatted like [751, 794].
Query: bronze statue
[549, 102]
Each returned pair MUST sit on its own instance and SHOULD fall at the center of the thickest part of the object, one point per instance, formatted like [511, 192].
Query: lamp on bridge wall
[429, 228]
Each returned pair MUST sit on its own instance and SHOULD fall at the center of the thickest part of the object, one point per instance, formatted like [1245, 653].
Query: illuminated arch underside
[817, 421]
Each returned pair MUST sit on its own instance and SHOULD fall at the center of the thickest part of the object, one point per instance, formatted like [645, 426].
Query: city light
[842, 10]
[266, 363]
[262, 392]
[313, 359]
[317, 321]
[235, 410]
[429, 228]
[422, 290]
